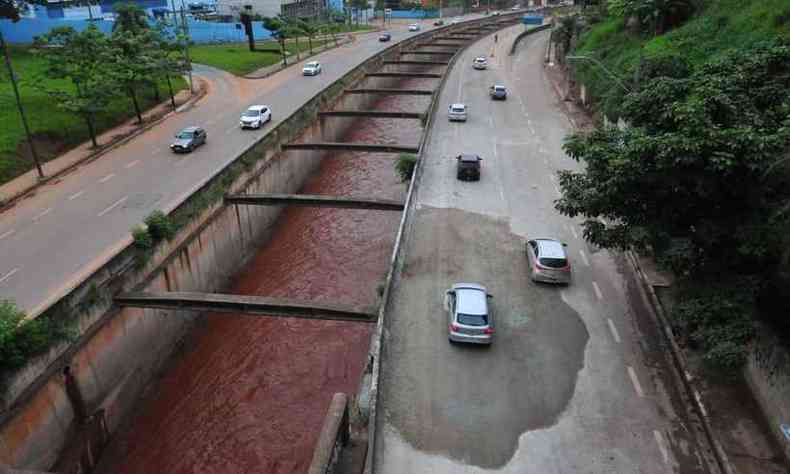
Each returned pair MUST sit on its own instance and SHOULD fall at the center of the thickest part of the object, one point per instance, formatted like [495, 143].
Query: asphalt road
[576, 380]
[52, 241]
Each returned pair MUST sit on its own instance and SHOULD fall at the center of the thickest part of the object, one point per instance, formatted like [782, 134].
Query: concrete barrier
[334, 435]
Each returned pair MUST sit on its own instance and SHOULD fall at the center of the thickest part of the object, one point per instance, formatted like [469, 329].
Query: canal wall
[114, 354]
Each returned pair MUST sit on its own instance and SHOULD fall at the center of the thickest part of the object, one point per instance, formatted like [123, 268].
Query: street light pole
[600, 64]
[19, 106]
[186, 48]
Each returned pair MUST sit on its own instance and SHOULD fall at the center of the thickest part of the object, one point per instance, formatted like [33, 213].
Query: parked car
[414, 27]
[313, 68]
[480, 62]
[384, 37]
[455, 21]
[468, 167]
[438, 23]
[188, 139]
[516, 8]
[548, 261]
[255, 116]
[470, 318]
[496, 13]
[498, 92]
[457, 113]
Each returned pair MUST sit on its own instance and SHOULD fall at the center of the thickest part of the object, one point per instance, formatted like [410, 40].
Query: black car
[384, 37]
[468, 167]
[188, 139]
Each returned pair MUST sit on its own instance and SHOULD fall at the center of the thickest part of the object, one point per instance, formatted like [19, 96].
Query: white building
[260, 7]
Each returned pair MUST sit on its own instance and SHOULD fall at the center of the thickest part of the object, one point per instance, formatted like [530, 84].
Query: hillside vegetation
[700, 176]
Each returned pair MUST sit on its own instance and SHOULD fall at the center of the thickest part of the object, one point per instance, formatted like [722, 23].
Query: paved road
[575, 380]
[53, 240]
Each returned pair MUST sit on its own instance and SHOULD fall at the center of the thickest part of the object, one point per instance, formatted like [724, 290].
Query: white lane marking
[635, 382]
[9, 275]
[107, 178]
[113, 206]
[76, 195]
[7, 233]
[573, 231]
[661, 446]
[597, 291]
[133, 163]
[42, 214]
[584, 257]
[615, 334]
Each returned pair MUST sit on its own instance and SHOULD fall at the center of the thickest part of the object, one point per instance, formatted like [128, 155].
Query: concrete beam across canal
[418, 63]
[314, 200]
[374, 147]
[370, 113]
[439, 53]
[254, 305]
[424, 75]
[384, 91]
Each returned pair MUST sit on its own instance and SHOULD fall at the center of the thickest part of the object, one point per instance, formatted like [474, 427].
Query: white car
[255, 116]
[414, 27]
[313, 68]
[457, 113]
[470, 319]
[480, 62]
[455, 21]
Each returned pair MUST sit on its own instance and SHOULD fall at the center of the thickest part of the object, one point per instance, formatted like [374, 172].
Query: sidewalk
[731, 415]
[108, 140]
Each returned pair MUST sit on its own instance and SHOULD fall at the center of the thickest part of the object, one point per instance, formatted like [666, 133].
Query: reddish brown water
[251, 393]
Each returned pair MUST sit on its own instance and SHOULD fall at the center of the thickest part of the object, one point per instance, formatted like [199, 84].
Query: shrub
[142, 239]
[20, 340]
[160, 227]
[405, 166]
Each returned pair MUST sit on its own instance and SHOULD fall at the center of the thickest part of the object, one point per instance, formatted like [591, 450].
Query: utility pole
[12, 76]
[186, 48]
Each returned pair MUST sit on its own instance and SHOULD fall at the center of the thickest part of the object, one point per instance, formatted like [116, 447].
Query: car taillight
[454, 328]
[488, 331]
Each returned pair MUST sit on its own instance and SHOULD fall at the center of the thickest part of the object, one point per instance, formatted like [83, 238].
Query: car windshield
[472, 319]
[184, 135]
[554, 262]
[480, 60]
[457, 109]
[499, 88]
[310, 65]
[252, 113]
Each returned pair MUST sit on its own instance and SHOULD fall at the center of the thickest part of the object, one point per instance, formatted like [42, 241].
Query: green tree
[82, 58]
[133, 61]
[276, 25]
[690, 177]
[130, 17]
[657, 15]
[167, 56]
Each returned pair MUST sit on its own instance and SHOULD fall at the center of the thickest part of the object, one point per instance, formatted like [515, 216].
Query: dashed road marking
[76, 195]
[107, 178]
[7, 233]
[635, 382]
[133, 163]
[9, 275]
[615, 334]
[42, 214]
[661, 446]
[113, 206]
[584, 257]
[597, 291]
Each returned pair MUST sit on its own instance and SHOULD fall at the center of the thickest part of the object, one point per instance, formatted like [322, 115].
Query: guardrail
[334, 435]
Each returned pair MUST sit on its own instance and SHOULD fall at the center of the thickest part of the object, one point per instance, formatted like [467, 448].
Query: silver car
[313, 68]
[457, 113]
[470, 318]
[548, 261]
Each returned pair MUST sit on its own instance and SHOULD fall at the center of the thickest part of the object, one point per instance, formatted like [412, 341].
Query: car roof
[311, 63]
[457, 106]
[257, 107]
[550, 248]
[190, 129]
[480, 58]
[497, 86]
[468, 157]
[470, 298]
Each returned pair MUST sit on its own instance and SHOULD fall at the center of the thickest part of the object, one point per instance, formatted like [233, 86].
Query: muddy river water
[248, 394]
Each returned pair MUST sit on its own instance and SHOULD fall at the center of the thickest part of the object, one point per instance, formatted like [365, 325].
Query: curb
[678, 358]
[10, 201]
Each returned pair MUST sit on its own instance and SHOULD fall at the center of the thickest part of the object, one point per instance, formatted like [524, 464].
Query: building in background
[234, 8]
[308, 9]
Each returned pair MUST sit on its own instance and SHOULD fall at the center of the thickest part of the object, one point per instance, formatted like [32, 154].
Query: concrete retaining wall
[117, 352]
[767, 372]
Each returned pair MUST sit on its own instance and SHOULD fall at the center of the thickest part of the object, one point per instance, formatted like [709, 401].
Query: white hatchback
[480, 62]
[457, 113]
[313, 68]
[255, 116]
[414, 27]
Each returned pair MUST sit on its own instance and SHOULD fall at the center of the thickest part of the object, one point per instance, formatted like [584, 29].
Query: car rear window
[472, 319]
[554, 262]
[457, 109]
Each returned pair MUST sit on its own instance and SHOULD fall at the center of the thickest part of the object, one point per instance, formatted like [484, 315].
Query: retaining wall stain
[250, 394]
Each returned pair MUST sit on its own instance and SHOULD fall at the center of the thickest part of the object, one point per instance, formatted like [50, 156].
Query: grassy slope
[721, 26]
[45, 118]
[236, 58]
